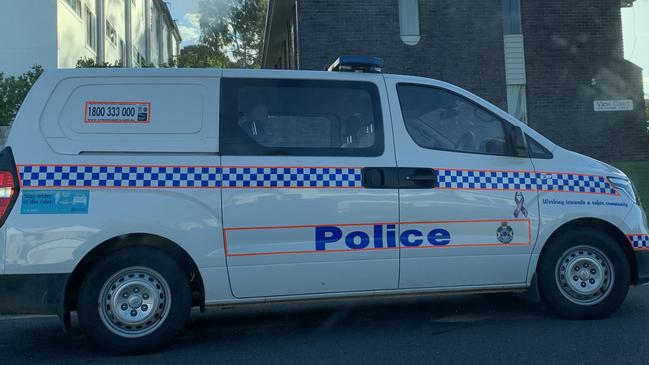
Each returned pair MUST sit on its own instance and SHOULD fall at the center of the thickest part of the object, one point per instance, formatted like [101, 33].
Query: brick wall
[567, 45]
[574, 56]
[461, 40]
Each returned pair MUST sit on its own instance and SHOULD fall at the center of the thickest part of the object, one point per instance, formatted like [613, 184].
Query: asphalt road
[477, 329]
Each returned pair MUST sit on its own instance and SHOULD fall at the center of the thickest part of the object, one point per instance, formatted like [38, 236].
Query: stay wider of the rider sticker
[117, 112]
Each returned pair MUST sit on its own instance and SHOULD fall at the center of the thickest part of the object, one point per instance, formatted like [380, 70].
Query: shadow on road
[461, 328]
[447, 312]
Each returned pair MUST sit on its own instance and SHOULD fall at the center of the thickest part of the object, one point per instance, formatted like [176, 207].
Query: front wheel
[584, 274]
[134, 301]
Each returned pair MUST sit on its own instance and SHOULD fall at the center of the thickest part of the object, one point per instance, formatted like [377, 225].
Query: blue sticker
[55, 201]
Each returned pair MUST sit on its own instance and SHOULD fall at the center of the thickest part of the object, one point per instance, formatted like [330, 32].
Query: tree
[234, 29]
[203, 56]
[89, 62]
[13, 91]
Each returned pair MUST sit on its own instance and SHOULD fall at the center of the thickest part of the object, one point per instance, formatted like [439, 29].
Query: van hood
[584, 164]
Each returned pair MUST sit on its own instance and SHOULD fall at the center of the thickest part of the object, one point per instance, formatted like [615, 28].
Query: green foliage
[232, 32]
[88, 62]
[646, 112]
[13, 91]
[202, 56]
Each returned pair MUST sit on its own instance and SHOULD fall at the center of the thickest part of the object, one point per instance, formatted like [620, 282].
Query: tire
[140, 281]
[584, 274]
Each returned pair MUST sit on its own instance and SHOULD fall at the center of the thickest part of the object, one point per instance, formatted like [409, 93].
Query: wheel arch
[168, 246]
[603, 226]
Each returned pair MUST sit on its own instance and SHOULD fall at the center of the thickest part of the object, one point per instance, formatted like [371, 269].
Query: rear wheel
[584, 274]
[134, 301]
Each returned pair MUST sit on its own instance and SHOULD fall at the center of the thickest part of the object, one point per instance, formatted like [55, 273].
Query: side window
[441, 120]
[536, 150]
[300, 118]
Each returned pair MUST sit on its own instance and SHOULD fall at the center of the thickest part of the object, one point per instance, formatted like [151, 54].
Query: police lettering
[382, 237]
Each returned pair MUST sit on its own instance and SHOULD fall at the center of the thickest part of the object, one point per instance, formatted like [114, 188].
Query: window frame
[111, 33]
[91, 22]
[76, 9]
[507, 126]
[228, 117]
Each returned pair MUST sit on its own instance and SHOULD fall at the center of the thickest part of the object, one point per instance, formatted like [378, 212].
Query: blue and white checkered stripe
[639, 240]
[523, 180]
[493, 180]
[291, 177]
[575, 183]
[188, 177]
[119, 176]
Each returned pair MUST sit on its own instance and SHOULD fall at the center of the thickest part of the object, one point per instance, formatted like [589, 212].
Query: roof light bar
[357, 64]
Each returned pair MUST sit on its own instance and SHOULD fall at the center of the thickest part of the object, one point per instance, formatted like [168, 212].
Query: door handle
[398, 178]
[417, 178]
[427, 177]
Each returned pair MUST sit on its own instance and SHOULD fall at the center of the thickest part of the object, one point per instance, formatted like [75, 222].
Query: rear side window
[300, 118]
[441, 120]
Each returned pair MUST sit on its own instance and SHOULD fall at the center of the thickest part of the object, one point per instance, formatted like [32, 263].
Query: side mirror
[519, 146]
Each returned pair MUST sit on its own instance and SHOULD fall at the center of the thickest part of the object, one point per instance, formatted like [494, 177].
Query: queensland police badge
[505, 233]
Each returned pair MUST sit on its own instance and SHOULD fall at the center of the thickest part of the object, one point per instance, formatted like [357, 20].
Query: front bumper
[32, 293]
[642, 263]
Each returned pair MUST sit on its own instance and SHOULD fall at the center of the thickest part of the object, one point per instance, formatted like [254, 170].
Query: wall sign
[613, 105]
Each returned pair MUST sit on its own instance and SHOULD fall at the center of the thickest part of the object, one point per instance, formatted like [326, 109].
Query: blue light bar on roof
[357, 64]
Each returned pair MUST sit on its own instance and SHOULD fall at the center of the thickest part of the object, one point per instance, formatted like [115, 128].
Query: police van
[130, 196]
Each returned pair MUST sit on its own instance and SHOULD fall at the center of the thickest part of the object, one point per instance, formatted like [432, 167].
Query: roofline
[167, 14]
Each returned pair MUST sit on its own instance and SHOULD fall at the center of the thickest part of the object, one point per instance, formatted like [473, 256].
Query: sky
[186, 14]
[635, 21]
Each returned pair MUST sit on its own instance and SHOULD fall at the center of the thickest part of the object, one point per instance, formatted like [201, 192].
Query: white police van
[130, 196]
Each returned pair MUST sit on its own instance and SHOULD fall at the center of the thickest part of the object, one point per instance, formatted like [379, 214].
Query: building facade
[57, 33]
[554, 65]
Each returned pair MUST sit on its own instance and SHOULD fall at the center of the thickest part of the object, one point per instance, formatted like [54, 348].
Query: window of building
[91, 29]
[291, 29]
[512, 17]
[409, 21]
[441, 120]
[122, 52]
[517, 102]
[75, 5]
[300, 118]
[111, 33]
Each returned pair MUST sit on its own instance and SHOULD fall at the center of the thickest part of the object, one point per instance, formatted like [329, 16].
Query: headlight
[626, 186]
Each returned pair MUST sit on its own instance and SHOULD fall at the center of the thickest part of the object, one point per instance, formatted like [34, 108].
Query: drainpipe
[147, 30]
[101, 31]
[128, 61]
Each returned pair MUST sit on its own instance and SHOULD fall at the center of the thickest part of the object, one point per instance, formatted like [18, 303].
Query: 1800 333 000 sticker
[121, 112]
